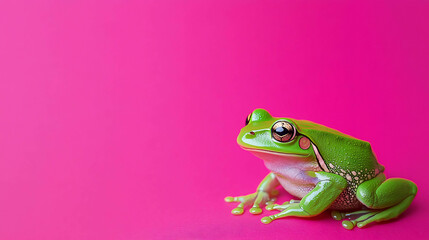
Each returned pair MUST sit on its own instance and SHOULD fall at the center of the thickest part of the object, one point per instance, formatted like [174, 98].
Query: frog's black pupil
[281, 131]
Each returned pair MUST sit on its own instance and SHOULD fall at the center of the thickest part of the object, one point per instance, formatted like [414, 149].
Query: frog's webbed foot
[257, 199]
[357, 218]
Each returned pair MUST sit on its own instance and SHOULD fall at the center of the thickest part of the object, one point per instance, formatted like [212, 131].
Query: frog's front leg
[317, 200]
[265, 191]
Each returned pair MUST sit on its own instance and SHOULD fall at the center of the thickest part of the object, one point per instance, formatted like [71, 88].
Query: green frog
[324, 168]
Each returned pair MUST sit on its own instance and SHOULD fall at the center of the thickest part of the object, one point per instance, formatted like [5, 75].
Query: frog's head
[268, 137]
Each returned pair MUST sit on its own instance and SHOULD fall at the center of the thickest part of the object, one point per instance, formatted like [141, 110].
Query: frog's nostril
[252, 133]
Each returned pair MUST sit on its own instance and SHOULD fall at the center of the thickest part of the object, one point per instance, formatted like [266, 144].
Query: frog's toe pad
[270, 207]
[266, 220]
[237, 211]
[255, 210]
[229, 199]
[349, 225]
[337, 215]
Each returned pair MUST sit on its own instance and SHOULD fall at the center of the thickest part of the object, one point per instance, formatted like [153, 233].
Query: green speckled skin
[323, 167]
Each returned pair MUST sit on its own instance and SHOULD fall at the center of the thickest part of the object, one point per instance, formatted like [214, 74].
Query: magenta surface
[119, 120]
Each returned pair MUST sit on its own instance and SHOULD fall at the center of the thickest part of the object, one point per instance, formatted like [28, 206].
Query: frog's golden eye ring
[283, 131]
[248, 119]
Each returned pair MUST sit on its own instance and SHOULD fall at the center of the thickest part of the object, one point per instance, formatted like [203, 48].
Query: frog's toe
[270, 201]
[358, 218]
[266, 220]
[270, 207]
[369, 218]
[349, 225]
[278, 207]
[255, 210]
[229, 199]
[241, 199]
[337, 215]
[237, 211]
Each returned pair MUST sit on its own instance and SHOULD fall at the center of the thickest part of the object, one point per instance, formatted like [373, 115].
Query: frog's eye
[248, 119]
[283, 131]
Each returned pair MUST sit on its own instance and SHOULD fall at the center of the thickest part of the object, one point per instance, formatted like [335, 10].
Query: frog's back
[343, 155]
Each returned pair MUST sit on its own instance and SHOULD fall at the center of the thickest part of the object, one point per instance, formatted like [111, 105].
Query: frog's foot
[280, 207]
[351, 215]
[289, 209]
[257, 199]
[354, 218]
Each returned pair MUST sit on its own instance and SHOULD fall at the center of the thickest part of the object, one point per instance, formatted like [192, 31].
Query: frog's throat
[274, 152]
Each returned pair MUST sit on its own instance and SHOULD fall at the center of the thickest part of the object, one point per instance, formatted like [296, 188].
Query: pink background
[119, 120]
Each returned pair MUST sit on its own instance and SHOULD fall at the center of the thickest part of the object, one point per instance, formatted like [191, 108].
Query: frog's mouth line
[274, 152]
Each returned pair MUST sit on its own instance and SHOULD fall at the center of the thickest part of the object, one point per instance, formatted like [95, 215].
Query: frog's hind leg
[385, 199]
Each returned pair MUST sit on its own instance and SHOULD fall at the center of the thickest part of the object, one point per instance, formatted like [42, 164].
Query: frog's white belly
[291, 170]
